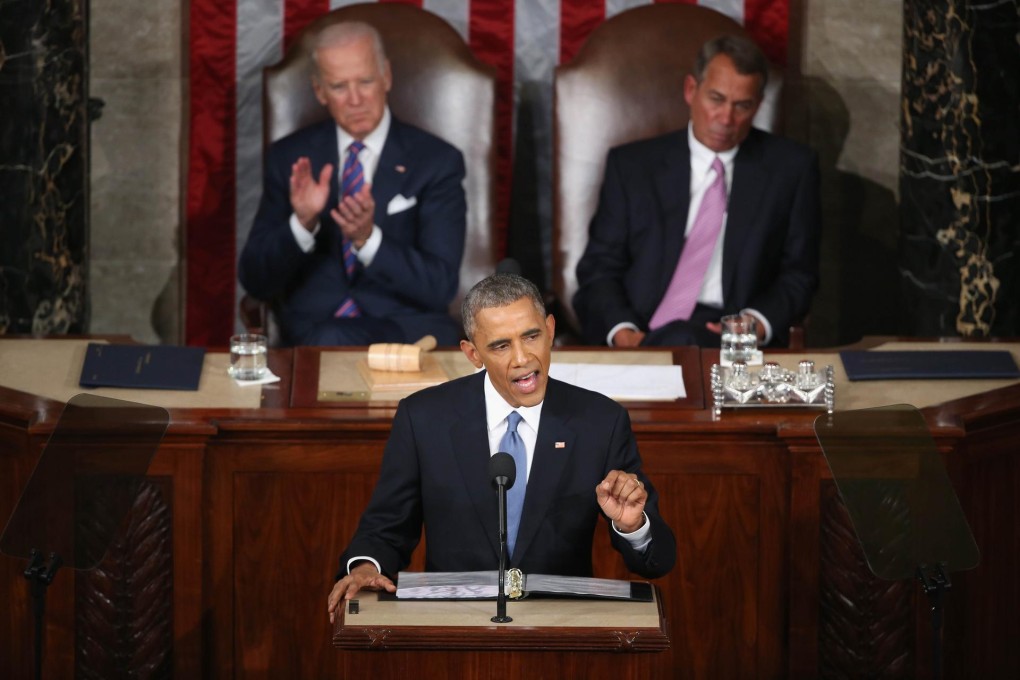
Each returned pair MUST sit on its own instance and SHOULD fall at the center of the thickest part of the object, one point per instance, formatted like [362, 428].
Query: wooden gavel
[398, 357]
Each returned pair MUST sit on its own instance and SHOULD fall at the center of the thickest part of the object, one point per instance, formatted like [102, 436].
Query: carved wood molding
[866, 624]
[124, 607]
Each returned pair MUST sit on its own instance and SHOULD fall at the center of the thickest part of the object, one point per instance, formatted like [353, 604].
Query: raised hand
[308, 196]
[355, 215]
[622, 496]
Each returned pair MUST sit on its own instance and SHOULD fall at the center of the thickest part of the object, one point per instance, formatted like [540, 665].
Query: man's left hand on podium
[363, 576]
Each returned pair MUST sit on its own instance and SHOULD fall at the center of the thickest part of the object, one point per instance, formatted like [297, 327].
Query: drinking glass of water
[739, 338]
[247, 356]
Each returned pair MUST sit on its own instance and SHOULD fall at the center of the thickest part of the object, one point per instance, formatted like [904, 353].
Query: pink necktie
[682, 294]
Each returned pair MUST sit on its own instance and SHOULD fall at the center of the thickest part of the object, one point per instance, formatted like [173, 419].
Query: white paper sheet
[625, 382]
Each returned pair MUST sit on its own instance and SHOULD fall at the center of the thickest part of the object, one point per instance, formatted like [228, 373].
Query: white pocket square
[400, 204]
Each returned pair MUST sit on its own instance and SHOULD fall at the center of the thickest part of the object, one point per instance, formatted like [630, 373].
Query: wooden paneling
[767, 583]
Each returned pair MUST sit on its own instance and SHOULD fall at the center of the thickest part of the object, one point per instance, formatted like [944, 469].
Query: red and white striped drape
[232, 40]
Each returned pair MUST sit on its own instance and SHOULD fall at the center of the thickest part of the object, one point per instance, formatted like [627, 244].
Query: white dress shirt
[496, 412]
[369, 158]
[702, 176]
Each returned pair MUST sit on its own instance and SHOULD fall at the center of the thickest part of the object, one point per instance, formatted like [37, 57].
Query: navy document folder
[929, 364]
[150, 367]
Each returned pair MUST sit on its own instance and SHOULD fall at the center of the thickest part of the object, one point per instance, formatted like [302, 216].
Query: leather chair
[438, 85]
[625, 84]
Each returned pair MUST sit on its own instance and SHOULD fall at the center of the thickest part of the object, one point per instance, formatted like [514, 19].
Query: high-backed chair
[625, 84]
[438, 85]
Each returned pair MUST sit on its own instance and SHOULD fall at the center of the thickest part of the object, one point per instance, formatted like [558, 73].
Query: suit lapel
[672, 187]
[750, 183]
[327, 150]
[469, 442]
[553, 450]
[388, 180]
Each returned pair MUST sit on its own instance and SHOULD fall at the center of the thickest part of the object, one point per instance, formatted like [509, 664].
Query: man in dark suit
[360, 231]
[582, 461]
[696, 224]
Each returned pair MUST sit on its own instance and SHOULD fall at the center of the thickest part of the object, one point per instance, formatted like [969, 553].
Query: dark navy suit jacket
[435, 470]
[414, 275]
[770, 248]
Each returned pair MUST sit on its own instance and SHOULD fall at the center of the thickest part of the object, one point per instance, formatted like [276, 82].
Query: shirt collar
[373, 141]
[496, 408]
[701, 155]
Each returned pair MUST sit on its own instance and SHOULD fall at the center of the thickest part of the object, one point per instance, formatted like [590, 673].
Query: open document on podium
[474, 585]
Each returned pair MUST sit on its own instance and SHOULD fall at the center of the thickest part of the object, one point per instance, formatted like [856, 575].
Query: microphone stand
[40, 576]
[501, 616]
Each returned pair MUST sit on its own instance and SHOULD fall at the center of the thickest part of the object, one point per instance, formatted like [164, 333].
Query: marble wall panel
[860, 216]
[849, 39]
[138, 298]
[43, 178]
[135, 169]
[137, 70]
[846, 106]
[960, 173]
[847, 56]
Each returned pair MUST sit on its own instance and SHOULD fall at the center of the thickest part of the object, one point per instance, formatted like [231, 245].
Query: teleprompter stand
[85, 482]
[903, 508]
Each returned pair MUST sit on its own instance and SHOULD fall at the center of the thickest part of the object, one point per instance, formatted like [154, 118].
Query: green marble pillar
[960, 168]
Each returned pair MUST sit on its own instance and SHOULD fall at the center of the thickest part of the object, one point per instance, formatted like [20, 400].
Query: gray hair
[498, 290]
[344, 33]
[745, 54]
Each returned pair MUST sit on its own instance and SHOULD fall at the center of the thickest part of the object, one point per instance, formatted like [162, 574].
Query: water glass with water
[247, 356]
[739, 338]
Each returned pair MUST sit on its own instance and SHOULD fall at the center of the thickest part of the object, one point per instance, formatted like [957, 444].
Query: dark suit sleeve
[390, 527]
[660, 556]
[786, 297]
[424, 270]
[601, 301]
[271, 257]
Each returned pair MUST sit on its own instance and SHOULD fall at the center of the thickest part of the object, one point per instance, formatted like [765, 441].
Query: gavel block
[397, 357]
[396, 369]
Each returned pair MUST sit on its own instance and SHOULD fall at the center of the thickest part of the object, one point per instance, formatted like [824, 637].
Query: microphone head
[502, 469]
[508, 265]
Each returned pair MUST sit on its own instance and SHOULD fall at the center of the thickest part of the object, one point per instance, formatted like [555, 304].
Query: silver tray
[772, 386]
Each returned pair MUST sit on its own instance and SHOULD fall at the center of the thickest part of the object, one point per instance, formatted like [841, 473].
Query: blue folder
[150, 367]
[928, 364]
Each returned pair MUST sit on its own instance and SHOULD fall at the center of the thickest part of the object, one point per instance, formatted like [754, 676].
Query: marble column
[43, 178]
[960, 168]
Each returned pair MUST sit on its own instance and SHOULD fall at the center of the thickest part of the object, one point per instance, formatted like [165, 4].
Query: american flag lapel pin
[560, 445]
[401, 169]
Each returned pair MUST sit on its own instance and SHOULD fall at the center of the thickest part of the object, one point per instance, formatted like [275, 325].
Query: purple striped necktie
[682, 293]
[352, 178]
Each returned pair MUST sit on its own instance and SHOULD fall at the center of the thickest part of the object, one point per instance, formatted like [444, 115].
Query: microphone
[508, 265]
[503, 472]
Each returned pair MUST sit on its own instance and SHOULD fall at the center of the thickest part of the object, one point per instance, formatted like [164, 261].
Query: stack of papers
[624, 382]
[473, 585]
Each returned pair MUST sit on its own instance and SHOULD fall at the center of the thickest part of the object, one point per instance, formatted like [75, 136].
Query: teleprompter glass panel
[86, 480]
[895, 487]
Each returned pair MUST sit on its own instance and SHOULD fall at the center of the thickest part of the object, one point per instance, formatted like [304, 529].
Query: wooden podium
[548, 637]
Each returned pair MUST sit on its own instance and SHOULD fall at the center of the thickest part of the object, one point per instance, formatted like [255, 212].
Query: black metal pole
[40, 576]
[501, 616]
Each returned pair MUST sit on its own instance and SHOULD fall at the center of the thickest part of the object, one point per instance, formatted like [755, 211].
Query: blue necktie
[352, 178]
[514, 445]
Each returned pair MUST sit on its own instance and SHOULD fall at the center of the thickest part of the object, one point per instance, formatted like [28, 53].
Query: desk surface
[255, 503]
[334, 369]
[538, 623]
[51, 368]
